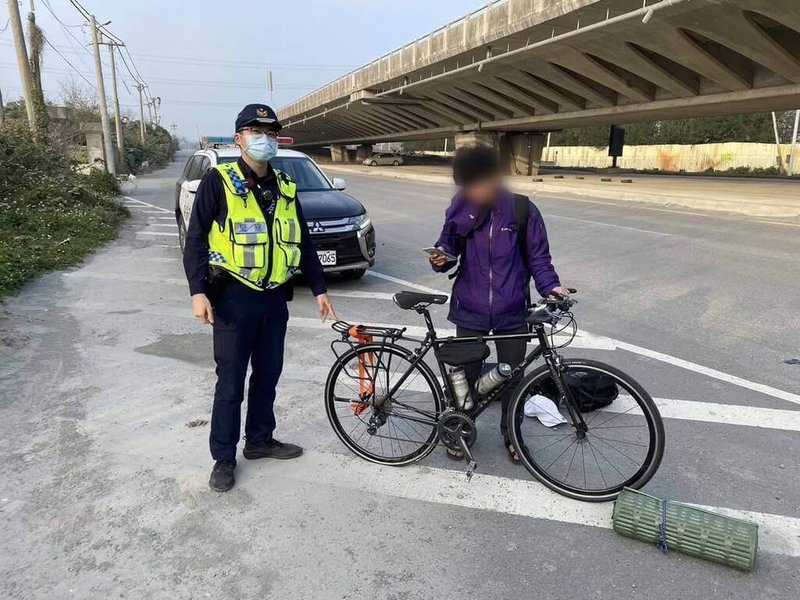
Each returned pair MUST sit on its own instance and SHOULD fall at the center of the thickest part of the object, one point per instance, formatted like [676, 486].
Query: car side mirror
[191, 186]
[339, 183]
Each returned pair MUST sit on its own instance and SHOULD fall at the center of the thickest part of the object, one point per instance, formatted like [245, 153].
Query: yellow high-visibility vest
[245, 246]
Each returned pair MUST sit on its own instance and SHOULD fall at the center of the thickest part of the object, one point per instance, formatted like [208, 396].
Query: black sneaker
[222, 478]
[271, 449]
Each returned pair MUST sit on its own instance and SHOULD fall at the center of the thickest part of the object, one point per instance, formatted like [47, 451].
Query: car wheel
[353, 273]
[396, 163]
[181, 233]
[374, 163]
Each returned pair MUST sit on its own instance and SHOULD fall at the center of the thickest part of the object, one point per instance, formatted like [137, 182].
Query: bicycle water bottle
[493, 378]
[458, 379]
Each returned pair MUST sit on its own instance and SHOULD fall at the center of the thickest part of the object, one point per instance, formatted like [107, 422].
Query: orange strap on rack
[365, 384]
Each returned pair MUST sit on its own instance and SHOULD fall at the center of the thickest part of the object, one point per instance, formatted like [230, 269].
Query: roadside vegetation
[51, 214]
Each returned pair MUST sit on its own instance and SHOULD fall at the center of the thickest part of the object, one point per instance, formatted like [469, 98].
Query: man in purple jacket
[491, 290]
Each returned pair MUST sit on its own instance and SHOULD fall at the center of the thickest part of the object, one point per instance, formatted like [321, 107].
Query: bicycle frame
[432, 341]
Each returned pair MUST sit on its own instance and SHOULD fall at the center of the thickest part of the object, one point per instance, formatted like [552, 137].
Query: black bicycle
[387, 405]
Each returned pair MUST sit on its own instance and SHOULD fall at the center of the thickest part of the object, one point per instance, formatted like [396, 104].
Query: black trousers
[249, 328]
[508, 351]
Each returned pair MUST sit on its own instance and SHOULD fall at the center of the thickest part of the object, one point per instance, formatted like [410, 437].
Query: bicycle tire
[655, 449]
[426, 446]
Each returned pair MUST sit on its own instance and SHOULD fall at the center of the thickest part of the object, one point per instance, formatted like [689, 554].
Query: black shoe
[271, 449]
[222, 478]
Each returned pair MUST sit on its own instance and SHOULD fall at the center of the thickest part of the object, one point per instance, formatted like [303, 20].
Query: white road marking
[659, 356]
[580, 341]
[778, 223]
[416, 286]
[167, 233]
[153, 206]
[172, 225]
[661, 233]
[727, 414]
[709, 372]
[777, 534]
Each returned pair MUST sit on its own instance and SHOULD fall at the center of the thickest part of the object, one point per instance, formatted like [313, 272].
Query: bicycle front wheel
[622, 445]
[397, 428]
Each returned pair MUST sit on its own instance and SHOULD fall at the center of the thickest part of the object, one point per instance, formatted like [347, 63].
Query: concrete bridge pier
[521, 153]
[363, 152]
[339, 153]
[525, 153]
[473, 138]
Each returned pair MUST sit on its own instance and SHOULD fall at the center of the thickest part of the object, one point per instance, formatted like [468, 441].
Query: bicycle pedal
[471, 466]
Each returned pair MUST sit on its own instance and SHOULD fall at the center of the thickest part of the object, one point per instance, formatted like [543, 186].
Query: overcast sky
[206, 59]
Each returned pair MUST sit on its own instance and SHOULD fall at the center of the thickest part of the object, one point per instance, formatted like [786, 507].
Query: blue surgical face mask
[261, 148]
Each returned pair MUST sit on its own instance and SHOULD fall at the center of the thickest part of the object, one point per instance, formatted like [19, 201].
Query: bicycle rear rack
[348, 330]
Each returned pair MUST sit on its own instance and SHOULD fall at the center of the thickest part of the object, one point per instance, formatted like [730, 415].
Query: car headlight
[361, 221]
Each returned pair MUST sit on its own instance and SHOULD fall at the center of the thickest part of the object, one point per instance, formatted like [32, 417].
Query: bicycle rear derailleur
[457, 431]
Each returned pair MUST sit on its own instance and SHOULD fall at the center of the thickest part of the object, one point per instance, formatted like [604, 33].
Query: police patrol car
[339, 224]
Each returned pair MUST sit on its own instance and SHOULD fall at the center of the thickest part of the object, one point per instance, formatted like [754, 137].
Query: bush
[158, 148]
[51, 216]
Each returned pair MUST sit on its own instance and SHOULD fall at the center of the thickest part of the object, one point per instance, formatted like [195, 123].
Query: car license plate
[327, 257]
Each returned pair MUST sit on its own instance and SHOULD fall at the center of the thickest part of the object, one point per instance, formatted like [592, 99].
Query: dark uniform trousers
[511, 352]
[249, 328]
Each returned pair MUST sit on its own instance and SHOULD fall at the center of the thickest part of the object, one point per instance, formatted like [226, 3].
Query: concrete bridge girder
[740, 34]
[526, 84]
[692, 56]
[591, 68]
[690, 59]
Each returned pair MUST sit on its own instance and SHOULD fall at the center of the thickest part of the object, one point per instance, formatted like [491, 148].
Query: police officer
[246, 238]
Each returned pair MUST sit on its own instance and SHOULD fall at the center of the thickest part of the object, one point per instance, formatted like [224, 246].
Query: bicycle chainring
[452, 425]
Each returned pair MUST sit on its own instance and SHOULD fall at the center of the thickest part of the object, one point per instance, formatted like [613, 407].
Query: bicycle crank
[457, 431]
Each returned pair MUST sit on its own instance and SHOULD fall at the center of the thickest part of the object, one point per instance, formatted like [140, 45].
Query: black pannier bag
[590, 390]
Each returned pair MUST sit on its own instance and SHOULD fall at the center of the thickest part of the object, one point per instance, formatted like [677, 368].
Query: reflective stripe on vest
[245, 246]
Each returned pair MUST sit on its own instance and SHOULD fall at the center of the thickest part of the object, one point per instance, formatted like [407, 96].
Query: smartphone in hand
[435, 252]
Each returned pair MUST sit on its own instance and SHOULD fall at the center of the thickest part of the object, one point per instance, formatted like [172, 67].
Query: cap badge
[262, 112]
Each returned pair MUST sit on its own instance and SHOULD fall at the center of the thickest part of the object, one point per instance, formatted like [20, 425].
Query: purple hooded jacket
[490, 291]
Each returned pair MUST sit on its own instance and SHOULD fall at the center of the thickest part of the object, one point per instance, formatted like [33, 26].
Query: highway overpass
[516, 68]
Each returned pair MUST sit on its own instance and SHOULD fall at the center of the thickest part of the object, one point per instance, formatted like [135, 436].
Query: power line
[71, 35]
[69, 63]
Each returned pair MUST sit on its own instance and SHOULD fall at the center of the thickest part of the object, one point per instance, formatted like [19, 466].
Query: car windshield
[303, 170]
[307, 175]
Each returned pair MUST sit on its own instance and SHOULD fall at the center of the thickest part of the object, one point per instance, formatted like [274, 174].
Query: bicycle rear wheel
[396, 430]
[622, 446]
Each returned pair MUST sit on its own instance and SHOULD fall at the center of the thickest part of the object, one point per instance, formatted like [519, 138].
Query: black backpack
[590, 390]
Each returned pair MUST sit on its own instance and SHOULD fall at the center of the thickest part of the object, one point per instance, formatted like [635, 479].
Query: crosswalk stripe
[777, 534]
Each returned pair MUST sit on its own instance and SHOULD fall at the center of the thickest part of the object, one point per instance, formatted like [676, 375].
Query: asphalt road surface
[106, 386]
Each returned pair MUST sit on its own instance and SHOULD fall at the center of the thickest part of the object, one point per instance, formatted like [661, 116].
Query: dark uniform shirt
[210, 209]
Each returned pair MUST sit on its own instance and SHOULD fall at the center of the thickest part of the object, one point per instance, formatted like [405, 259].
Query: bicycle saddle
[408, 300]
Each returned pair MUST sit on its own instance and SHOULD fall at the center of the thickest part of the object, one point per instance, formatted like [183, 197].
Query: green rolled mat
[690, 530]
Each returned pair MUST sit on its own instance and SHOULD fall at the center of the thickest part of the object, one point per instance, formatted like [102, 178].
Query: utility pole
[101, 96]
[112, 50]
[22, 61]
[792, 156]
[140, 87]
[269, 85]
